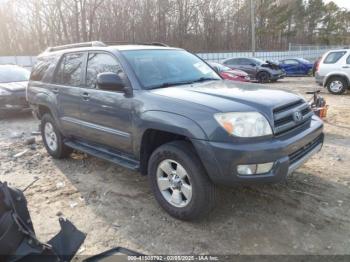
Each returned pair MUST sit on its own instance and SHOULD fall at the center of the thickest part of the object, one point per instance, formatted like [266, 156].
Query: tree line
[30, 26]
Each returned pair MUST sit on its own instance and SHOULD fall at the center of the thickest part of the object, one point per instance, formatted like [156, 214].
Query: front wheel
[336, 85]
[52, 138]
[179, 181]
[263, 77]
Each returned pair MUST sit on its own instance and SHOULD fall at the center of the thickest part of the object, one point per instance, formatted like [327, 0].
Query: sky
[340, 3]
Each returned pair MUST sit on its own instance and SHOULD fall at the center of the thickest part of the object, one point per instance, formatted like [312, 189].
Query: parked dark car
[230, 74]
[262, 71]
[296, 67]
[13, 82]
[166, 113]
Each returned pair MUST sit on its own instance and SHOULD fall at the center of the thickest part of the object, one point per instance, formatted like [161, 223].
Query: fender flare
[167, 122]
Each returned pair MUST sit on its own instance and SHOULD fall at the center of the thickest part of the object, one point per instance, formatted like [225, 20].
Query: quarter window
[100, 63]
[70, 70]
[334, 57]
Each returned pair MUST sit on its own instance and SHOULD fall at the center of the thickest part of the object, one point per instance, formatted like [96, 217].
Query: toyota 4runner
[168, 114]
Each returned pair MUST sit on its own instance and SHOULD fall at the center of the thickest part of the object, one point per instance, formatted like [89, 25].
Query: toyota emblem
[297, 116]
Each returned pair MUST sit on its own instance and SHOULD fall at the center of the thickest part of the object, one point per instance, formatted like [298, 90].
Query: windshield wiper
[203, 79]
[168, 84]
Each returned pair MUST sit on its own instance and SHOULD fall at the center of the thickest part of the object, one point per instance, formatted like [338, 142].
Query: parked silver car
[333, 71]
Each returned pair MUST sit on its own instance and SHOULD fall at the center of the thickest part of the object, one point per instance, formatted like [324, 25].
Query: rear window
[334, 57]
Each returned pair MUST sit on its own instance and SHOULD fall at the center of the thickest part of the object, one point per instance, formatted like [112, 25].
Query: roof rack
[135, 43]
[85, 44]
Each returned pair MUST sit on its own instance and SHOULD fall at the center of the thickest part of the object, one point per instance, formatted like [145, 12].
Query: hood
[14, 86]
[229, 96]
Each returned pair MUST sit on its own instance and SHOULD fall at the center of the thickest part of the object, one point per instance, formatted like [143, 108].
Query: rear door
[106, 115]
[68, 80]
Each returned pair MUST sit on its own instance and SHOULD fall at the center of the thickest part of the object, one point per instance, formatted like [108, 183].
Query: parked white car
[333, 71]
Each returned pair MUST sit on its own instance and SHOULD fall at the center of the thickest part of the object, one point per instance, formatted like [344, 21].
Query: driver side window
[100, 63]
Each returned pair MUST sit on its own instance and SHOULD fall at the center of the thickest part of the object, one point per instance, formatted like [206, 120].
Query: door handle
[55, 90]
[86, 96]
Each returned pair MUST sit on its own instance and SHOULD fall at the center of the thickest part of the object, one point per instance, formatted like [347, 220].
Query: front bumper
[14, 102]
[288, 153]
[278, 76]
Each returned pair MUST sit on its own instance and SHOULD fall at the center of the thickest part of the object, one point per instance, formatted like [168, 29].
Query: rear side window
[232, 62]
[69, 71]
[348, 60]
[43, 69]
[333, 57]
[100, 63]
[290, 62]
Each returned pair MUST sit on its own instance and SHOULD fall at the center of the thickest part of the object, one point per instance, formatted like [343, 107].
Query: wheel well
[151, 140]
[337, 76]
[42, 110]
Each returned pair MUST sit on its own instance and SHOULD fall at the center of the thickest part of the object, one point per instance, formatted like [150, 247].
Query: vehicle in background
[230, 74]
[296, 66]
[262, 71]
[13, 83]
[333, 71]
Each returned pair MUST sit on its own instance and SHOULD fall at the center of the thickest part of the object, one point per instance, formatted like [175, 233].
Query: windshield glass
[13, 74]
[161, 68]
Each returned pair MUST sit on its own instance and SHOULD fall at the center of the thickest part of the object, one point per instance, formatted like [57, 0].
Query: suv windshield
[10, 74]
[162, 68]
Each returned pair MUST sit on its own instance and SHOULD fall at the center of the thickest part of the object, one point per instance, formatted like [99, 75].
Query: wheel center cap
[175, 181]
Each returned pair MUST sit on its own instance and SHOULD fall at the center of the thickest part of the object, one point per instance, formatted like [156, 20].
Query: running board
[113, 157]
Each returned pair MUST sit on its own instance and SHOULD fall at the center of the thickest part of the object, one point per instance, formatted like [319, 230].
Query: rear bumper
[287, 153]
[319, 79]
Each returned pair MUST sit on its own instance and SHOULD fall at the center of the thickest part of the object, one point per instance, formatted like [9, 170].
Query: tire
[53, 139]
[337, 85]
[263, 77]
[177, 155]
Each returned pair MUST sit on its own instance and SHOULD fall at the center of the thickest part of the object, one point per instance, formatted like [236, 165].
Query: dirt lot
[307, 214]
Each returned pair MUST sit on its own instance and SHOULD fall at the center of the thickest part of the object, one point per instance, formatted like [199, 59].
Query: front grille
[301, 152]
[284, 116]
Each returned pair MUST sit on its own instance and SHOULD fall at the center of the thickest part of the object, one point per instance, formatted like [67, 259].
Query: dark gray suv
[262, 71]
[166, 113]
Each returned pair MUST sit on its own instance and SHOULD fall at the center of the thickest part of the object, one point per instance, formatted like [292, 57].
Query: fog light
[254, 169]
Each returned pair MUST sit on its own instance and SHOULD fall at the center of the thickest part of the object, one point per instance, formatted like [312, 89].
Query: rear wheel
[263, 77]
[52, 138]
[337, 85]
[179, 181]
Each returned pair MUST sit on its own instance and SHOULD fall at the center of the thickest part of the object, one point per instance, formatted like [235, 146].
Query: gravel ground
[307, 214]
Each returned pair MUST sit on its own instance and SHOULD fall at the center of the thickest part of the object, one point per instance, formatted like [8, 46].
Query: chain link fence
[310, 52]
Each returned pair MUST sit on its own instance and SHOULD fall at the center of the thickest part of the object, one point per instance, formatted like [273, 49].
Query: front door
[106, 115]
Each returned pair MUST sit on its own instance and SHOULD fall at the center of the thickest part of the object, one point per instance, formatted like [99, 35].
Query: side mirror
[110, 81]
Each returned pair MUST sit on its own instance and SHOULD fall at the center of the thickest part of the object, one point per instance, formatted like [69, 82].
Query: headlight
[4, 92]
[244, 124]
